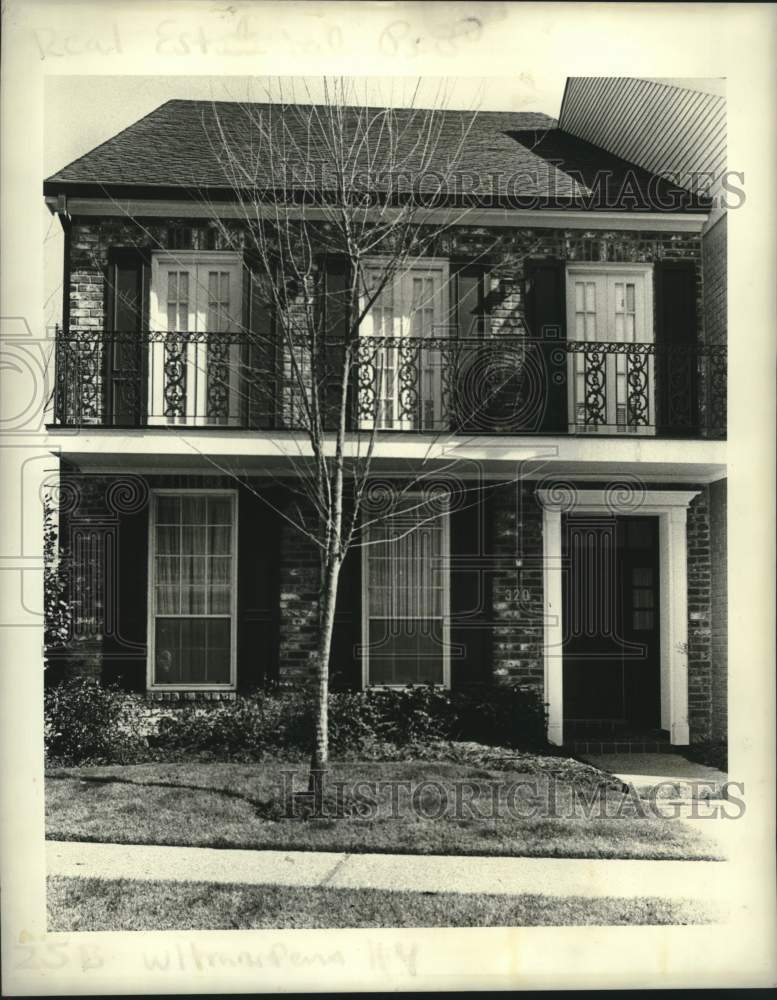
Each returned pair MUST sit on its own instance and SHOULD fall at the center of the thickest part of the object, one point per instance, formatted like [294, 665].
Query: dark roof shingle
[510, 157]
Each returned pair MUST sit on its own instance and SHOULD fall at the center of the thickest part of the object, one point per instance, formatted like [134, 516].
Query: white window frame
[616, 270]
[195, 351]
[441, 264]
[446, 609]
[151, 602]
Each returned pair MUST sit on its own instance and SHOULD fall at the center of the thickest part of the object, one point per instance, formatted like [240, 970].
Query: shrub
[249, 727]
[713, 753]
[86, 723]
[509, 716]
[354, 721]
[226, 729]
[282, 722]
[495, 716]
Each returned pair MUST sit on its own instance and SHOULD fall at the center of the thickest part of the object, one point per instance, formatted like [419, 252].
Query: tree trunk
[320, 757]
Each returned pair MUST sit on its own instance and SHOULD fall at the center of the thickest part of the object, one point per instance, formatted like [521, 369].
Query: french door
[195, 354]
[401, 377]
[405, 601]
[610, 390]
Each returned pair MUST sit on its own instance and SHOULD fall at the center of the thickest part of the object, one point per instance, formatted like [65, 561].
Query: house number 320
[517, 594]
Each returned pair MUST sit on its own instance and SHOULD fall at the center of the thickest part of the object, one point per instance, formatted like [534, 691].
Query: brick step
[619, 746]
[613, 730]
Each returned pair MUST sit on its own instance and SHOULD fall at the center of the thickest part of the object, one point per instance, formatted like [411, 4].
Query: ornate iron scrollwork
[448, 366]
[404, 383]
[87, 354]
[595, 388]
[638, 399]
[218, 349]
[367, 396]
[408, 352]
[175, 374]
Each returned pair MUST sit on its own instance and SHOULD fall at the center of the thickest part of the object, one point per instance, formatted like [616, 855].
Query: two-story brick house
[580, 564]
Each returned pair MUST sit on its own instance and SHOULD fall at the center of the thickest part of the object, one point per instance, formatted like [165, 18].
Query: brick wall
[507, 250]
[298, 599]
[93, 510]
[503, 249]
[92, 239]
[513, 639]
[517, 587]
[719, 611]
[699, 618]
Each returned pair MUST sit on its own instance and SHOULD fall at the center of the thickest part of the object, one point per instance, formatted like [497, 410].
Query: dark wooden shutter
[263, 371]
[346, 664]
[546, 309]
[332, 301]
[470, 412]
[677, 398]
[468, 284]
[125, 348]
[470, 600]
[258, 588]
[125, 645]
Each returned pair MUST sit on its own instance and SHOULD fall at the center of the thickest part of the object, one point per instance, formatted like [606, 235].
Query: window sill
[405, 687]
[205, 693]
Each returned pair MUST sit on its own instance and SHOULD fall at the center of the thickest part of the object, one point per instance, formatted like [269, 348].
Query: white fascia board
[584, 456]
[518, 218]
[593, 501]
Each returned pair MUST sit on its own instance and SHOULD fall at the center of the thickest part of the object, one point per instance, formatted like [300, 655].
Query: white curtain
[193, 583]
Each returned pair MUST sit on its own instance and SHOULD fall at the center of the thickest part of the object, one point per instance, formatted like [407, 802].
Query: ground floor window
[192, 592]
[405, 599]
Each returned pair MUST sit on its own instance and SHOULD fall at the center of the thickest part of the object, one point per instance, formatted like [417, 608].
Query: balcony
[431, 385]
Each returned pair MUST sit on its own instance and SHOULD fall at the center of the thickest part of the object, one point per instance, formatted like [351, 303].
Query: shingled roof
[502, 158]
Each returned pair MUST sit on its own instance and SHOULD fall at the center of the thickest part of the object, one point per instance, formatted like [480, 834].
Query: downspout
[65, 221]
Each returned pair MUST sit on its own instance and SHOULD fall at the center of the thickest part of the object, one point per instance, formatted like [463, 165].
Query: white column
[554, 651]
[674, 633]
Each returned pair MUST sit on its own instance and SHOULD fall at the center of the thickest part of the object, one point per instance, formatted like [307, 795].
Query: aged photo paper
[484, 292]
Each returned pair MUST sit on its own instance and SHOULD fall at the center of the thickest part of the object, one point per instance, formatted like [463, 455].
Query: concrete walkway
[708, 880]
[643, 770]
[672, 777]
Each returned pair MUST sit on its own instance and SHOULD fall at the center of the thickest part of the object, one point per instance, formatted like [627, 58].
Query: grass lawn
[76, 904]
[240, 806]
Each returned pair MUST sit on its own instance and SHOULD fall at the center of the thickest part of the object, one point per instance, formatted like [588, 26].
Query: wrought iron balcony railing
[436, 385]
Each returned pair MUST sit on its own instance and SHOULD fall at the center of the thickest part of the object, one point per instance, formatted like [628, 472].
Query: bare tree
[335, 200]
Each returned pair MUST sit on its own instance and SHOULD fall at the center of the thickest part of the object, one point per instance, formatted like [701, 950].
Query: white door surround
[671, 507]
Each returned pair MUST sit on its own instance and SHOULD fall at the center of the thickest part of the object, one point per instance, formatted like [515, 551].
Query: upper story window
[402, 387]
[611, 376]
[195, 315]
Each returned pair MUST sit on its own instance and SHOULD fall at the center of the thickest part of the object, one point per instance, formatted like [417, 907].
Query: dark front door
[611, 620]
